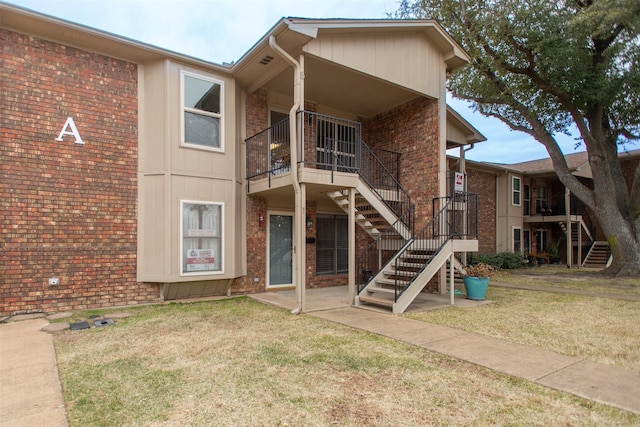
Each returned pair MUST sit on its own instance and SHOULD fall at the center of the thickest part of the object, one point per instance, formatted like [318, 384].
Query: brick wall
[69, 210]
[411, 129]
[257, 121]
[484, 185]
[256, 248]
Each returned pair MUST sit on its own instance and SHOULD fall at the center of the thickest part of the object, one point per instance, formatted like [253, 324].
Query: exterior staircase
[576, 230]
[398, 264]
[373, 213]
[403, 274]
[599, 256]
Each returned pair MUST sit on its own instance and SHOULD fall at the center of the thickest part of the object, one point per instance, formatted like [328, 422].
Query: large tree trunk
[611, 207]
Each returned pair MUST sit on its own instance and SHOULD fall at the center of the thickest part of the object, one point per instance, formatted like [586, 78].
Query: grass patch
[238, 362]
[598, 329]
[565, 278]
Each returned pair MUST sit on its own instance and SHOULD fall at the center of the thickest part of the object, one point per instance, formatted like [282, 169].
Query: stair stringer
[587, 261]
[416, 287]
[385, 211]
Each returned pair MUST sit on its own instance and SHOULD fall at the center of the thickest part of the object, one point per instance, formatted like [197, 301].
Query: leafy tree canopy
[543, 67]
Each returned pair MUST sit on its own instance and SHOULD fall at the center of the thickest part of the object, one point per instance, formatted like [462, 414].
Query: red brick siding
[411, 129]
[257, 121]
[70, 210]
[629, 167]
[484, 185]
[256, 248]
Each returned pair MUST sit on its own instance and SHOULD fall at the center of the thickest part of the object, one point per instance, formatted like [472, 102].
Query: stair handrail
[365, 265]
[430, 239]
[403, 208]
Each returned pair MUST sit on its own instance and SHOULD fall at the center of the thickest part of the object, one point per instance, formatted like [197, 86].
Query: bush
[502, 260]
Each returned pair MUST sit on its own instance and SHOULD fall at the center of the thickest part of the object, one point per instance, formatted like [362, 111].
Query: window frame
[336, 248]
[182, 237]
[542, 201]
[515, 192]
[184, 109]
[517, 229]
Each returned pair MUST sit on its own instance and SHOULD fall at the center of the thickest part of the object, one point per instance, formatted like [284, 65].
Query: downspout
[463, 166]
[463, 170]
[293, 146]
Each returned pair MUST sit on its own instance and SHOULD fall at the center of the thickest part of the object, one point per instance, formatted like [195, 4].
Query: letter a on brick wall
[69, 124]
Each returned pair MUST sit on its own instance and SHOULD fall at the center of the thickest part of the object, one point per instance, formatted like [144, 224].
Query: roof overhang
[351, 90]
[459, 131]
[26, 21]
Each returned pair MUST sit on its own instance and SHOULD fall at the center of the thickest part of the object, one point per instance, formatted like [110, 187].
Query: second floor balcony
[328, 147]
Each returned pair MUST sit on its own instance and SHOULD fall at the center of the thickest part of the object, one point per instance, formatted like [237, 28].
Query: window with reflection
[202, 112]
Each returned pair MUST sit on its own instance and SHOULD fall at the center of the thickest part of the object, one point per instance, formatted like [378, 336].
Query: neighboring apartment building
[131, 174]
[523, 208]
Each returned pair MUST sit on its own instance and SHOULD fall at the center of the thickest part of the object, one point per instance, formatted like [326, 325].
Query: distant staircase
[579, 230]
[599, 256]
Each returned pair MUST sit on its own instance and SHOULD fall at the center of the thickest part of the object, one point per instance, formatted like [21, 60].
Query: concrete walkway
[30, 391]
[594, 381]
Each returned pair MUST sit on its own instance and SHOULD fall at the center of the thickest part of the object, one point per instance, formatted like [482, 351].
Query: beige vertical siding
[406, 59]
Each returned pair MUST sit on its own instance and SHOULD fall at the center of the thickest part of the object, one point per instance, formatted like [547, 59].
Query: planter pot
[476, 287]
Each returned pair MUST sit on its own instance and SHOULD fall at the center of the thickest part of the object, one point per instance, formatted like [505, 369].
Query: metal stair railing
[378, 254]
[449, 222]
[428, 242]
[383, 183]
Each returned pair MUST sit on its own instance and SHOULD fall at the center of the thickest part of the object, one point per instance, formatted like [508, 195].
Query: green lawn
[238, 362]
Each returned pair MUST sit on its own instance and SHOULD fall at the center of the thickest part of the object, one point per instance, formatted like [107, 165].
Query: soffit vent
[266, 60]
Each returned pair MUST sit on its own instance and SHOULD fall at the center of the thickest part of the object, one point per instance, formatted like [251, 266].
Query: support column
[352, 246]
[300, 232]
[567, 208]
[451, 281]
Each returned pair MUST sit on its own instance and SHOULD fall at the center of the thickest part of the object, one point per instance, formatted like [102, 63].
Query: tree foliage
[545, 67]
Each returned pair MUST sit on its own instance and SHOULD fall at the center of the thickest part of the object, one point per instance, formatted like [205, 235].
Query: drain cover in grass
[103, 322]
[79, 325]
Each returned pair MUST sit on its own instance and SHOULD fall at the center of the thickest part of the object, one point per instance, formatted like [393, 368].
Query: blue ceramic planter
[476, 287]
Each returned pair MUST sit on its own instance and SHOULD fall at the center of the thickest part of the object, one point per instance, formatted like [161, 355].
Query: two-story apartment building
[132, 174]
[525, 208]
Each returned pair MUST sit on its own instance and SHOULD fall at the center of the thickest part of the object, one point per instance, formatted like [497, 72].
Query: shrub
[502, 260]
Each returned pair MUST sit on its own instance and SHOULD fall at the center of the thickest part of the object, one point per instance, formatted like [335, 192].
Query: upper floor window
[202, 112]
[541, 200]
[516, 190]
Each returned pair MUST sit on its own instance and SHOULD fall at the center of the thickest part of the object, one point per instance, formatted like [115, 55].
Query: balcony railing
[327, 143]
[268, 152]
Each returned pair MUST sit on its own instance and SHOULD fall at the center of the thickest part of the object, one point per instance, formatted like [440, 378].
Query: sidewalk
[594, 381]
[30, 391]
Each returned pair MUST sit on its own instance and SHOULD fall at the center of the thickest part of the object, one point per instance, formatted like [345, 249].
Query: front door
[280, 261]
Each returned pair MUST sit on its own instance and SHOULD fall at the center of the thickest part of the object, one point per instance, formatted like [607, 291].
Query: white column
[567, 208]
[451, 281]
[352, 246]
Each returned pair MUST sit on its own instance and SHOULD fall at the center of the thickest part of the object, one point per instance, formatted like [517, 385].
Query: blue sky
[223, 30]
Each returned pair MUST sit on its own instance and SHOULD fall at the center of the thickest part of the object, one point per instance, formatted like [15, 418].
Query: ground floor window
[526, 237]
[541, 240]
[517, 240]
[201, 237]
[332, 244]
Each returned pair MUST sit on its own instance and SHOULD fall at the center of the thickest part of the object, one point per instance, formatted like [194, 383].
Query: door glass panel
[280, 250]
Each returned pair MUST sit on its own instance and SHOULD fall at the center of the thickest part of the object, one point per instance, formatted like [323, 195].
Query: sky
[223, 30]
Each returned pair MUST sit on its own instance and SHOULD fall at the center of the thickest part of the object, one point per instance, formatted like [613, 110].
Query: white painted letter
[74, 131]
